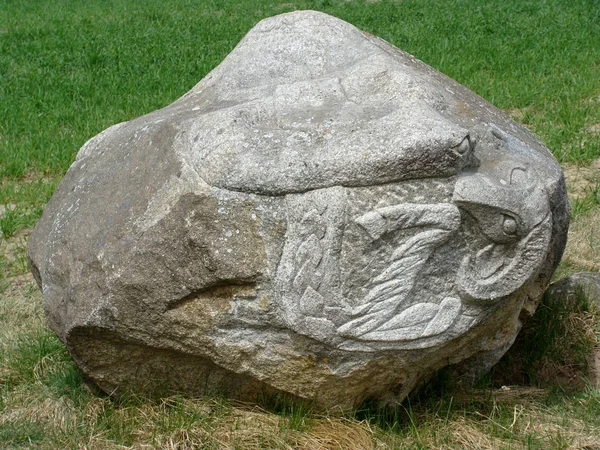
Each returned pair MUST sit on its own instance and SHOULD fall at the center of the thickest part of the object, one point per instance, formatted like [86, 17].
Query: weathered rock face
[322, 215]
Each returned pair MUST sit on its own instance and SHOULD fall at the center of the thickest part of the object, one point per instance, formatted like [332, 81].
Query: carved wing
[384, 314]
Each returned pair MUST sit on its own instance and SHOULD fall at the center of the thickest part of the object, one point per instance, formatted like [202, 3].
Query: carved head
[514, 220]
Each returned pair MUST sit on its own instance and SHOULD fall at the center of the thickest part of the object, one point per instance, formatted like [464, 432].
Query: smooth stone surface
[322, 215]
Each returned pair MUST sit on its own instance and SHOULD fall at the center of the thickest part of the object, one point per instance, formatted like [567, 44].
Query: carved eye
[464, 146]
[509, 226]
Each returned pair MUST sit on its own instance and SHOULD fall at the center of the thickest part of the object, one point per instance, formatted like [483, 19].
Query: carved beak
[515, 221]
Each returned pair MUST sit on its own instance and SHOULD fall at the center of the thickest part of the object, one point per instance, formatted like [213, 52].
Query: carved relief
[308, 274]
[516, 221]
[506, 226]
[384, 315]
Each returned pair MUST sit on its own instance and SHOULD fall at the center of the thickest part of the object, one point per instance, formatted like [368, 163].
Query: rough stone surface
[322, 215]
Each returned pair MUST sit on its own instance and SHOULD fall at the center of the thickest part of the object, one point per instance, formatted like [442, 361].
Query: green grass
[24, 203]
[69, 69]
[587, 203]
[21, 433]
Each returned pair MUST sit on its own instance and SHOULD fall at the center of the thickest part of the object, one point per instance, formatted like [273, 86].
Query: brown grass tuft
[468, 434]
[337, 434]
[251, 430]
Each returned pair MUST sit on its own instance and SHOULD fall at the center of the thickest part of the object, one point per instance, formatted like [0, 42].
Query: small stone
[567, 290]
[585, 283]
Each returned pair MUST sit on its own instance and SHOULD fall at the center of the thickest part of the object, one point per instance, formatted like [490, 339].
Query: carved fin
[418, 321]
[417, 315]
[374, 223]
[449, 309]
[400, 334]
[393, 286]
[358, 326]
[311, 302]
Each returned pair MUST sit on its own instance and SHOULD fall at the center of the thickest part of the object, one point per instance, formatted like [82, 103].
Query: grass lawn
[69, 69]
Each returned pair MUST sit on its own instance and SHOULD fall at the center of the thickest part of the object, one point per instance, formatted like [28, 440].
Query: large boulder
[322, 215]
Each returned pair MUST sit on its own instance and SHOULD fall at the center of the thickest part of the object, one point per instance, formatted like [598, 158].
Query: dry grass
[20, 306]
[340, 434]
[494, 421]
[581, 179]
[556, 347]
[92, 421]
[583, 246]
[34, 414]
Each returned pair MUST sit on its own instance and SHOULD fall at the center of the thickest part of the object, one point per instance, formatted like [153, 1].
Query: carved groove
[218, 291]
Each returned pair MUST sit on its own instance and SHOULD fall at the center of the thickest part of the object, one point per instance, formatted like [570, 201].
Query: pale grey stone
[322, 215]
